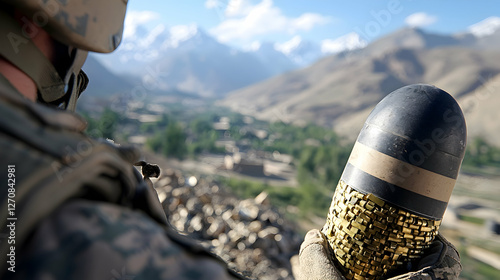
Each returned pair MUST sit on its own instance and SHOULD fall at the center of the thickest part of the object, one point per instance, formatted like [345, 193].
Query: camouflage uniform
[83, 211]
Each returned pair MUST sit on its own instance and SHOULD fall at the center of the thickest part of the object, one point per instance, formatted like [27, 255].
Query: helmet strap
[76, 86]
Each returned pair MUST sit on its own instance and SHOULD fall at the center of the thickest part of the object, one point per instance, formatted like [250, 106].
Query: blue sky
[241, 22]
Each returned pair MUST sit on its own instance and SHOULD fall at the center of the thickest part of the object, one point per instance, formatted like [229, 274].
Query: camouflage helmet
[91, 25]
[82, 25]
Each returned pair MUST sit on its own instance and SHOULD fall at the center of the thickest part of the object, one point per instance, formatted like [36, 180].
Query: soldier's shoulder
[31, 131]
[44, 141]
[95, 240]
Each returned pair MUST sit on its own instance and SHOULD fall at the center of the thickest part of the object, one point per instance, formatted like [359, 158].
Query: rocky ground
[257, 241]
[250, 235]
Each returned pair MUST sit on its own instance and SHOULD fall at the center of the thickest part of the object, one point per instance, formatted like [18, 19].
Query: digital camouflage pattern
[90, 25]
[88, 240]
[83, 211]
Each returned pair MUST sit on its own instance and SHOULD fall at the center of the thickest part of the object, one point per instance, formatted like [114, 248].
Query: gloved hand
[441, 261]
[315, 261]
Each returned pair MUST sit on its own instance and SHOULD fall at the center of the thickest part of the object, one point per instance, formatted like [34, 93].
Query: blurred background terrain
[252, 117]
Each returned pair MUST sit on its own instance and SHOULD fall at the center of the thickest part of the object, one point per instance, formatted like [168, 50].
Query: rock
[205, 198]
[223, 239]
[283, 243]
[248, 210]
[192, 181]
[194, 205]
[262, 199]
[234, 237]
[250, 235]
[164, 181]
[227, 215]
[261, 243]
[294, 262]
[241, 246]
[208, 210]
[269, 216]
[269, 232]
[255, 226]
[173, 205]
[216, 229]
[257, 255]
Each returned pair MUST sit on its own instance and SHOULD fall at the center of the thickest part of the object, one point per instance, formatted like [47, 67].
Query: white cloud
[211, 4]
[237, 8]
[307, 21]
[136, 18]
[348, 42]
[255, 46]
[230, 8]
[245, 21]
[181, 33]
[141, 17]
[288, 46]
[420, 19]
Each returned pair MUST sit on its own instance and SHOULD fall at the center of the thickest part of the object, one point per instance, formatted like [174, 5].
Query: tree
[107, 123]
[200, 126]
[481, 153]
[104, 126]
[164, 121]
[174, 143]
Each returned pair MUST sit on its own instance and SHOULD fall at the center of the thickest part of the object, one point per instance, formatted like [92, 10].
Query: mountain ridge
[180, 50]
[265, 83]
[339, 91]
[180, 53]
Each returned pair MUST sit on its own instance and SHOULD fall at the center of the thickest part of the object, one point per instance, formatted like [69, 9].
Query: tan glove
[314, 259]
[441, 261]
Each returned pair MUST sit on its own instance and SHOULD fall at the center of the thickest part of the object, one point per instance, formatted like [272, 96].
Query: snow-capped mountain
[301, 52]
[187, 58]
[266, 52]
[485, 27]
[142, 47]
[484, 34]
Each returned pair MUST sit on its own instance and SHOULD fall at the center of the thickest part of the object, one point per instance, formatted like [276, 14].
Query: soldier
[75, 208]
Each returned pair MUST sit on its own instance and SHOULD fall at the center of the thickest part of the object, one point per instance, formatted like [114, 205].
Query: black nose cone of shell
[410, 150]
[423, 113]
